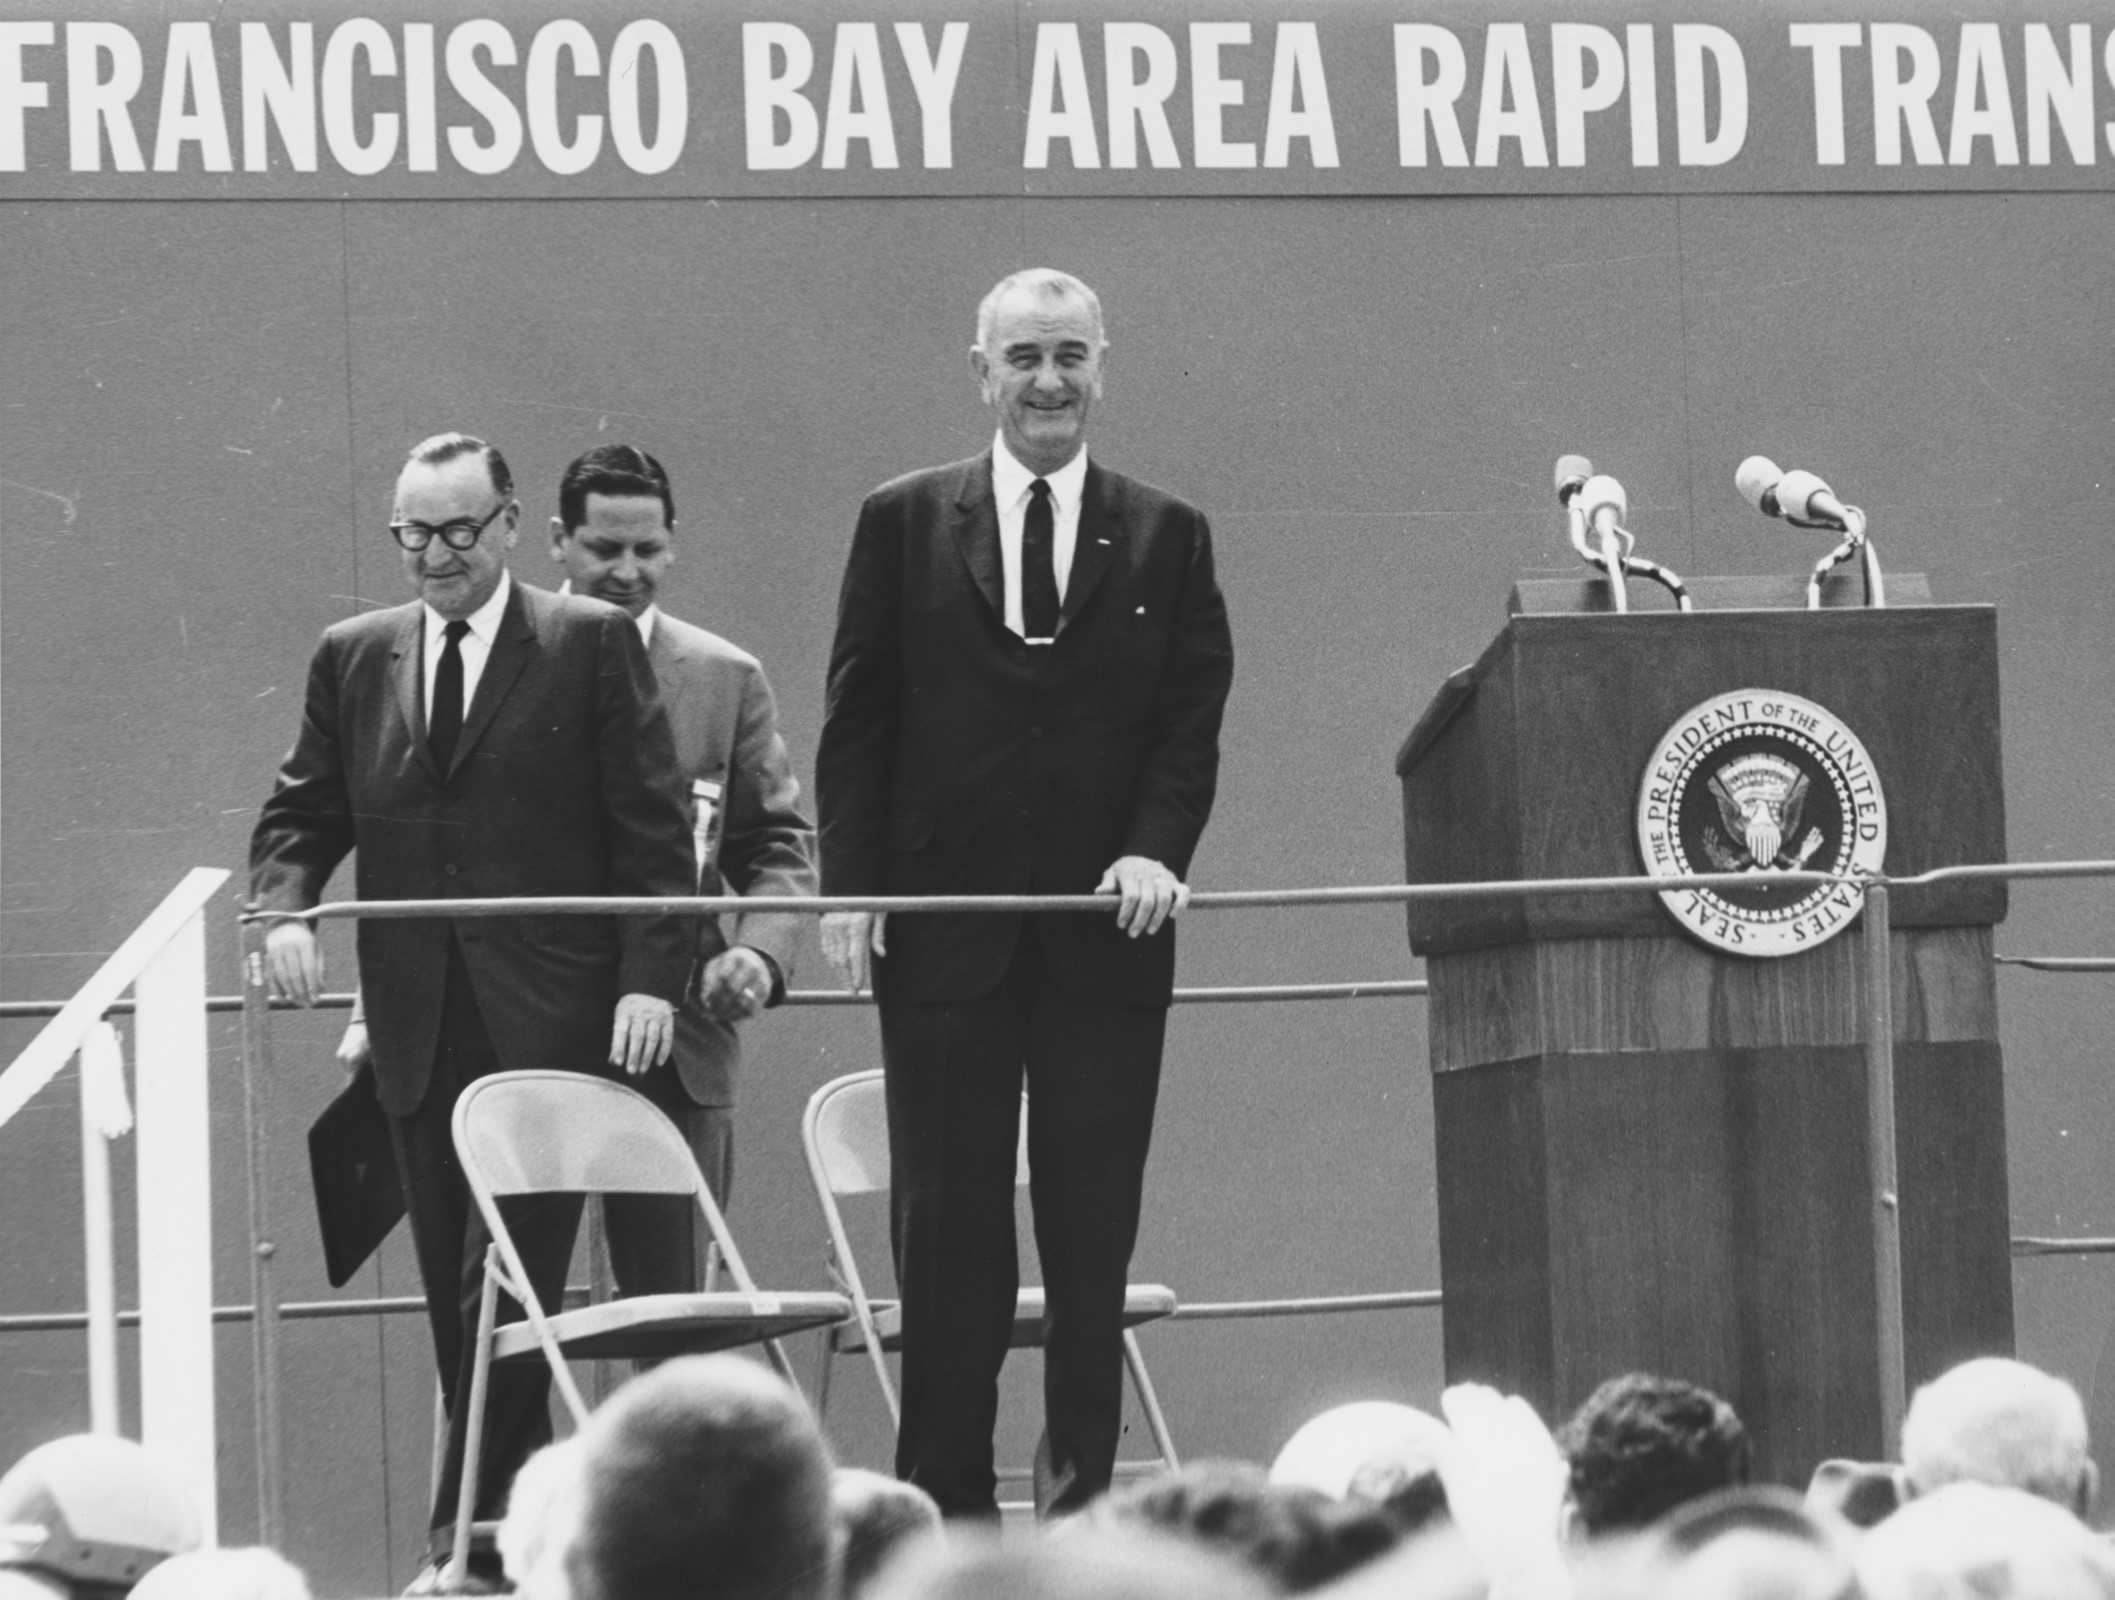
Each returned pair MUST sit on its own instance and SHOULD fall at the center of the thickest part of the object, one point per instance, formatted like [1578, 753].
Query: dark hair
[612, 469]
[1412, 1495]
[706, 1476]
[1642, 1445]
[443, 448]
[1297, 1537]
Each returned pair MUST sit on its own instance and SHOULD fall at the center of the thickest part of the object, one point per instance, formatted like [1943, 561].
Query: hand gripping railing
[164, 962]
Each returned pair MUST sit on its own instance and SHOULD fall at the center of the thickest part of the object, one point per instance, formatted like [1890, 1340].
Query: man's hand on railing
[1149, 893]
[850, 939]
[353, 1051]
[642, 1034]
[735, 985]
[294, 960]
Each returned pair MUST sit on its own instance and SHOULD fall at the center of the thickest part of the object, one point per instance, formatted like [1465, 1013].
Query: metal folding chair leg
[822, 1375]
[440, 1436]
[1148, 1400]
[474, 1434]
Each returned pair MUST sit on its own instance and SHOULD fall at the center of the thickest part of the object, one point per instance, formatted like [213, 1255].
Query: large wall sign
[636, 98]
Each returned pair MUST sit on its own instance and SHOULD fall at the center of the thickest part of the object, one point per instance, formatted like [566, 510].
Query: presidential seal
[1764, 783]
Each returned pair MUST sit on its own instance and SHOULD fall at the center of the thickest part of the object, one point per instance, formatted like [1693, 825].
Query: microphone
[1605, 505]
[1596, 503]
[1805, 498]
[1757, 479]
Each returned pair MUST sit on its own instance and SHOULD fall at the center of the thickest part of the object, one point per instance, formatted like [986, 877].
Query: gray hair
[1999, 1422]
[443, 448]
[1050, 286]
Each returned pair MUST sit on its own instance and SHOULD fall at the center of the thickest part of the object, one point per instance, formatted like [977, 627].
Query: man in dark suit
[615, 537]
[485, 740]
[1031, 662]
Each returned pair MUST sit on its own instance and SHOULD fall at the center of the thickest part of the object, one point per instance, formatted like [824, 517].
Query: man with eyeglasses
[486, 740]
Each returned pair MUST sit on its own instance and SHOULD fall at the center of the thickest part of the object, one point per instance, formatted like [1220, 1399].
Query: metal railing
[163, 961]
[1877, 1027]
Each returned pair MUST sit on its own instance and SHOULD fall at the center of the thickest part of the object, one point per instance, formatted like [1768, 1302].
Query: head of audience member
[543, 1506]
[1373, 1452]
[89, 1515]
[705, 1479]
[1861, 1493]
[1087, 1561]
[455, 498]
[1973, 1541]
[1295, 1537]
[878, 1518]
[1412, 1496]
[1999, 1422]
[253, 1573]
[1758, 1542]
[1642, 1445]
[615, 530]
[1038, 358]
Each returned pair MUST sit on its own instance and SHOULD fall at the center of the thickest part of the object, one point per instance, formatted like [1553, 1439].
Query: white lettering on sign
[1695, 144]
[19, 94]
[374, 94]
[568, 97]
[1059, 106]
[778, 59]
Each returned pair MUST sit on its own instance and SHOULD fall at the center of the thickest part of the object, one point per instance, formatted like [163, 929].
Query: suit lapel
[408, 662]
[976, 530]
[510, 652]
[673, 674]
[1093, 547]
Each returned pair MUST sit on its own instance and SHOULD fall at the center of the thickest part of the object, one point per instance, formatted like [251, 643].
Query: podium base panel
[1705, 1214]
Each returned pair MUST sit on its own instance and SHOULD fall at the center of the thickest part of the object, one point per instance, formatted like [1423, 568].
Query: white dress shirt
[476, 647]
[1010, 484]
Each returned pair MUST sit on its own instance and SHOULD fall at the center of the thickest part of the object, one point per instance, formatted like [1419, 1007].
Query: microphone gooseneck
[1804, 500]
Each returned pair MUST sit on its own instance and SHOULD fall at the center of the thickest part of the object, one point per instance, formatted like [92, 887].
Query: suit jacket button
[451, 869]
[1036, 732]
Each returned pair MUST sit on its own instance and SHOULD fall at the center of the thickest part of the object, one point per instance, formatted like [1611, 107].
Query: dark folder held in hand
[359, 1196]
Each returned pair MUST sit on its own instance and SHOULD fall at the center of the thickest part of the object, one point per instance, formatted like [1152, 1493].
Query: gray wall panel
[1366, 396]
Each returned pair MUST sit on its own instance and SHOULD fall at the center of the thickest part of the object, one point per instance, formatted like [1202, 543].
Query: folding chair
[540, 1132]
[845, 1134]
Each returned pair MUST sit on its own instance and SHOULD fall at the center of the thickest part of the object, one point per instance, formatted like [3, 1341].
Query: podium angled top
[1529, 763]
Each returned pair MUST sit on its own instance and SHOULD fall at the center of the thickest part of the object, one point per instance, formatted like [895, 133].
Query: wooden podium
[1652, 1155]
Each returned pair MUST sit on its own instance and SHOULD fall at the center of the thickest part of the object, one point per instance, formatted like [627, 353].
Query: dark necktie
[444, 718]
[1039, 591]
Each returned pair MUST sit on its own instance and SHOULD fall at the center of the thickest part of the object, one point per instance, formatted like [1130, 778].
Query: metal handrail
[1376, 989]
[1202, 900]
[1310, 1305]
[1878, 1029]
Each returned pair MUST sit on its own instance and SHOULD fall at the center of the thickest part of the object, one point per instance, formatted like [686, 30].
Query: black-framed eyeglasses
[460, 534]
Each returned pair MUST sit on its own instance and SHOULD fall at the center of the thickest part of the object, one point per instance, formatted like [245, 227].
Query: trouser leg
[657, 1243]
[953, 1077]
[1093, 1078]
[450, 1238]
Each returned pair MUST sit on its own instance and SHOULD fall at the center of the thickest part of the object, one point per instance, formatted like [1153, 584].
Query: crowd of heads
[708, 1478]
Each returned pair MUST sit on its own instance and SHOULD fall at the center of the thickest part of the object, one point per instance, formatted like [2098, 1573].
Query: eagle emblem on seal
[1760, 801]
[1759, 784]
